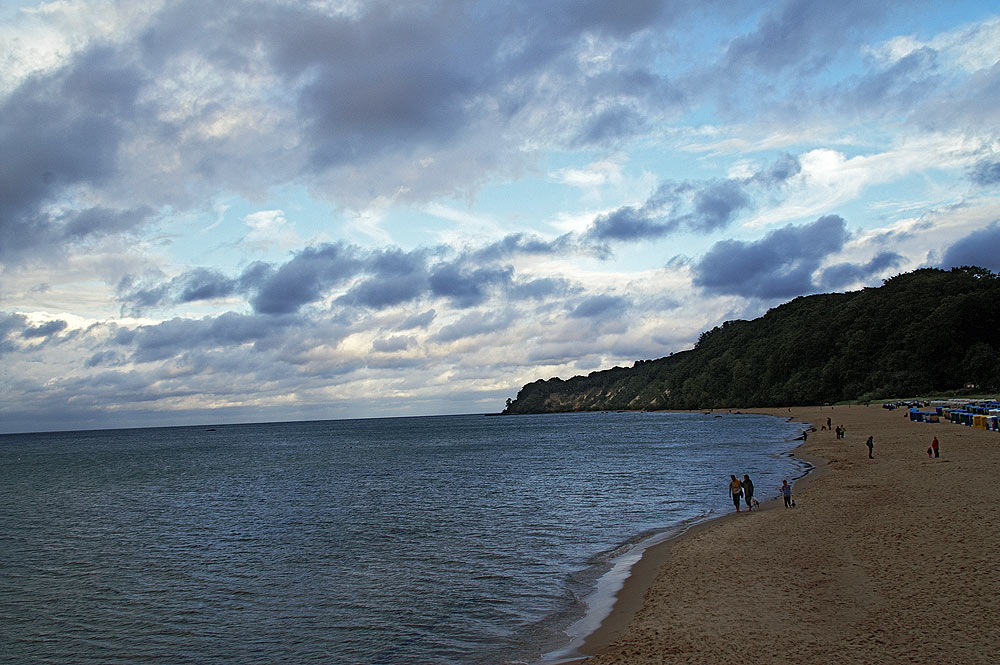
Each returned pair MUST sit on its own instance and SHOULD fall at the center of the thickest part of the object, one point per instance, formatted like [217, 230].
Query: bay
[458, 540]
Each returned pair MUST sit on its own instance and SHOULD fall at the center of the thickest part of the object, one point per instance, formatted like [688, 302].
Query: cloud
[780, 265]
[703, 207]
[178, 336]
[472, 324]
[630, 224]
[394, 277]
[897, 87]
[843, 275]
[517, 244]
[393, 344]
[198, 284]
[542, 288]
[306, 278]
[422, 320]
[979, 248]
[600, 306]
[47, 329]
[61, 133]
[467, 287]
[985, 172]
[801, 35]
[10, 325]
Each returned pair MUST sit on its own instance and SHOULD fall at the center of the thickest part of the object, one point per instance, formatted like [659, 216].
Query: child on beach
[786, 492]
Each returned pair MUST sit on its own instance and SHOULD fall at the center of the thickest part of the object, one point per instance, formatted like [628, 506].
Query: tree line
[927, 331]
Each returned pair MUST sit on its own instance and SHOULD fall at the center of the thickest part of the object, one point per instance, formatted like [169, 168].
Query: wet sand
[894, 559]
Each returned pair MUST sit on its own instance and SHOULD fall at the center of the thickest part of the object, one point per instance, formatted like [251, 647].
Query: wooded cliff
[926, 331]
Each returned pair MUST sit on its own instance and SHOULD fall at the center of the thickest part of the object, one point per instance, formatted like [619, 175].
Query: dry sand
[890, 560]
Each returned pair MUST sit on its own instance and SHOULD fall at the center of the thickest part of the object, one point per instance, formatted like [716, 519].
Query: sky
[278, 210]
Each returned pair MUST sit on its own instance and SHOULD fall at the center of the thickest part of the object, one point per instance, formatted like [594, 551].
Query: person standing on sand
[747, 491]
[871, 444]
[934, 447]
[786, 492]
[736, 490]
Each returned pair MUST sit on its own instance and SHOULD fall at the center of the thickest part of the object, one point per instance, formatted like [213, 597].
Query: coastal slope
[928, 331]
[884, 560]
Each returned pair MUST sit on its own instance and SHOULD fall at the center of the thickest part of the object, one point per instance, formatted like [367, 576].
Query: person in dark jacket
[747, 491]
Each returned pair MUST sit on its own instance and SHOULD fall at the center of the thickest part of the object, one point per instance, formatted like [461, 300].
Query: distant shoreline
[855, 573]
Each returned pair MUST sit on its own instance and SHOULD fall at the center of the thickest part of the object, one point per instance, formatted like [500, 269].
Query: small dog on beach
[755, 502]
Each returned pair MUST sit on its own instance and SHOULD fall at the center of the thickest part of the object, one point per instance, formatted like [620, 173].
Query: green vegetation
[928, 331]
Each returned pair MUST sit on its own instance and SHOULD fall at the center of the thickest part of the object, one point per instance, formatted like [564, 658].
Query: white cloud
[44, 36]
[829, 178]
[970, 47]
[269, 230]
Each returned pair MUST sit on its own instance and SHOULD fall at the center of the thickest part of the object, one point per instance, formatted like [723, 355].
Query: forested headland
[927, 331]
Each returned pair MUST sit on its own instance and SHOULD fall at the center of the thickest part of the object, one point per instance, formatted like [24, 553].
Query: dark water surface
[455, 540]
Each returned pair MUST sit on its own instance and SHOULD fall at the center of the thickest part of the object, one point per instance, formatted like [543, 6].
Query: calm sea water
[459, 540]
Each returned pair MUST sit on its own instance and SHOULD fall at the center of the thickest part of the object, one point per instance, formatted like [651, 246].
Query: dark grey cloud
[58, 131]
[202, 284]
[11, 325]
[802, 35]
[195, 285]
[467, 287]
[628, 224]
[784, 167]
[612, 124]
[600, 306]
[422, 320]
[542, 288]
[177, 336]
[393, 344]
[844, 275]
[515, 244]
[104, 359]
[985, 172]
[979, 248]
[374, 279]
[395, 277]
[897, 87]
[780, 265]
[306, 278]
[716, 204]
[45, 330]
[472, 324]
[703, 207]
[971, 104]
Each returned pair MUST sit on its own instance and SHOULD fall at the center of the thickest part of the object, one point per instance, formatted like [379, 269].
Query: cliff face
[926, 331]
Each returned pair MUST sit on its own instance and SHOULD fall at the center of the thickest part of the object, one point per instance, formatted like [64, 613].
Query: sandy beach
[885, 560]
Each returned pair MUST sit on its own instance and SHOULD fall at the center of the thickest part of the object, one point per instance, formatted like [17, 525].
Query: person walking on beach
[786, 492]
[871, 444]
[934, 447]
[747, 491]
[736, 490]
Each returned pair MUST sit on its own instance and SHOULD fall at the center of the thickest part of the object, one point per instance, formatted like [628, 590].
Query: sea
[449, 540]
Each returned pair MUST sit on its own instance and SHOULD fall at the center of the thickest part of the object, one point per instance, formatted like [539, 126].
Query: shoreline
[816, 583]
[642, 574]
[604, 604]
